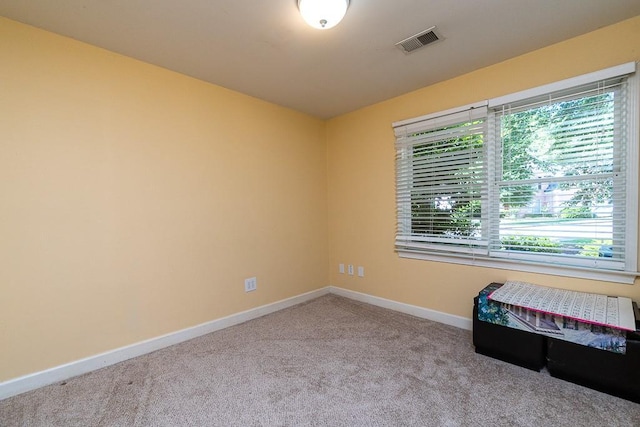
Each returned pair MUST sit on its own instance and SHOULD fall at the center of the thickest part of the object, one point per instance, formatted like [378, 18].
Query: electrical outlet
[341, 268]
[361, 271]
[350, 270]
[250, 284]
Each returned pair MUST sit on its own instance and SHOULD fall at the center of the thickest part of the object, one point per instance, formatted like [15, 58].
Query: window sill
[624, 277]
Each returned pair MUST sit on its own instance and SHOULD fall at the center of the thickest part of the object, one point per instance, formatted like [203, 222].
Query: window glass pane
[447, 182]
[557, 178]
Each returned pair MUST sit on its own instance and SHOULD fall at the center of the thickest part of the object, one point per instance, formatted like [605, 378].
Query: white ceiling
[264, 48]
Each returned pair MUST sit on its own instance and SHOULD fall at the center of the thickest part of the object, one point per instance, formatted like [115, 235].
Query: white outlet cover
[361, 271]
[351, 269]
[250, 284]
[341, 268]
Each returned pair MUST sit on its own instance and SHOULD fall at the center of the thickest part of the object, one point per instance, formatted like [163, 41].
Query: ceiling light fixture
[323, 14]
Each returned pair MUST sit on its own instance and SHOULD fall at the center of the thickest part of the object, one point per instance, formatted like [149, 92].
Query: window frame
[431, 251]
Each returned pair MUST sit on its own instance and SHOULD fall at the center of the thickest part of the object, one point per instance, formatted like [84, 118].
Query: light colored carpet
[329, 362]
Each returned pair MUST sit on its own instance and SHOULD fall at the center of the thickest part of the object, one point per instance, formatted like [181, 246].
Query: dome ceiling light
[323, 14]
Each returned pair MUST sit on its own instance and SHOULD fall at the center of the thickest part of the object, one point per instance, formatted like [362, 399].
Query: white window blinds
[441, 187]
[561, 177]
[541, 180]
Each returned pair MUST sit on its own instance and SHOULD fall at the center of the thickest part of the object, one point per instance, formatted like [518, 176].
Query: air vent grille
[419, 40]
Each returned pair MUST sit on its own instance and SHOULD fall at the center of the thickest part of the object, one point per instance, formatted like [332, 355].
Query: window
[543, 180]
[441, 182]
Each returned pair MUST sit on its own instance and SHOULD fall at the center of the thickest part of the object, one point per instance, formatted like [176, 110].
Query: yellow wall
[134, 201]
[361, 176]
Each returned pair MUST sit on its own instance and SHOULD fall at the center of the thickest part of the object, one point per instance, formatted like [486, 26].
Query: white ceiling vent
[419, 40]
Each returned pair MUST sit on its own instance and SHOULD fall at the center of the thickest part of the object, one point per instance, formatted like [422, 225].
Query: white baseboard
[63, 372]
[424, 313]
